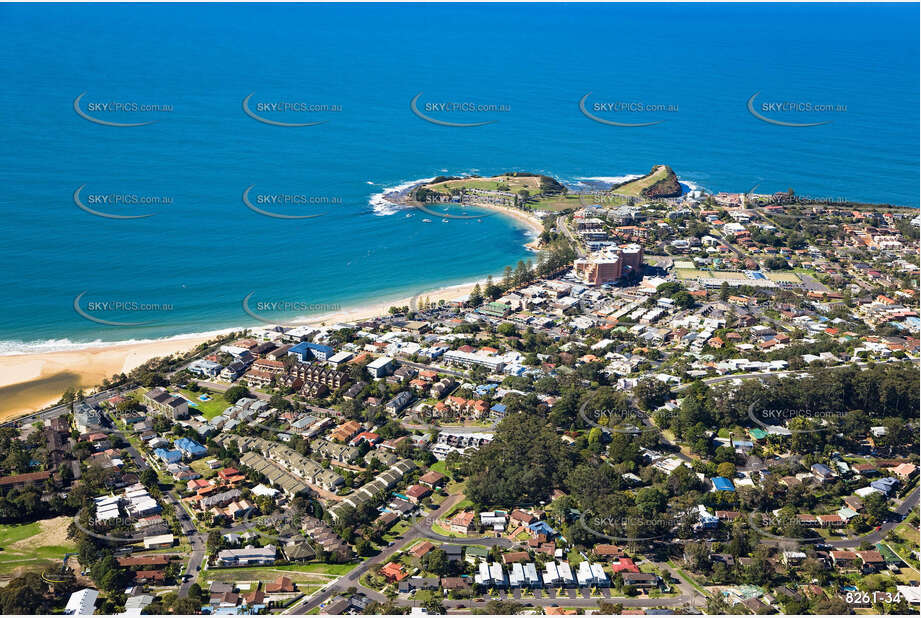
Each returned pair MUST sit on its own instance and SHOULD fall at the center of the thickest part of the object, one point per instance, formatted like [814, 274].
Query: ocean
[355, 69]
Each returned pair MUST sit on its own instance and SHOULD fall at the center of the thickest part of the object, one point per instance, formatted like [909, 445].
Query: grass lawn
[445, 532]
[201, 466]
[907, 532]
[689, 579]
[783, 276]
[38, 544]
[908, 541]
[11, 533]
[556, 203]
[313, 581]
[692, 273]
[514, 183]
[460, 506]
[398, 529]
[437, 499]
[441, 468]
[807, 271]
[321, 567]
[636, 187]
[314, 573]
[728, 275]
[208, 409]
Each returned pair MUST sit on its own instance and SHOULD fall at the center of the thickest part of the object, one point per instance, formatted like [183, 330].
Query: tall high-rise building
[609, 264]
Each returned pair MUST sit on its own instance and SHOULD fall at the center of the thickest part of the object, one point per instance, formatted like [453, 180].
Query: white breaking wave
[382, 206]
[613, 180]
[9, 348]
[690, 185]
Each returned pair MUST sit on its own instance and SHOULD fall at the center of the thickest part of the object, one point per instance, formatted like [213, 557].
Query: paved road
[571, 597]
[564, 227]
[351, 579]
[545, 598]
[874, 537]
[196, 539]
[55, 411]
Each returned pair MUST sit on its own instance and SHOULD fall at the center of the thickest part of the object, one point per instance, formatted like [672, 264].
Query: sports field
[784, 276]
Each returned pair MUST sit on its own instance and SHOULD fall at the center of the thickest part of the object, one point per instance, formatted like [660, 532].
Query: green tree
[476, 296]
[651, 393]
[235, 393]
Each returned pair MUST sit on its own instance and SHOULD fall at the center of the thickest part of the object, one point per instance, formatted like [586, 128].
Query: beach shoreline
[31, 381]
[34, 381]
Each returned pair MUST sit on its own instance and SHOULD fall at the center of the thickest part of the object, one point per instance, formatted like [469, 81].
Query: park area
[34, 546]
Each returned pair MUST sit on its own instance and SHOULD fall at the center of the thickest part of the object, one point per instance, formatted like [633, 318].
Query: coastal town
[686, 403]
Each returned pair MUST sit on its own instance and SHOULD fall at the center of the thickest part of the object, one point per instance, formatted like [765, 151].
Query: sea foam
[382, 206]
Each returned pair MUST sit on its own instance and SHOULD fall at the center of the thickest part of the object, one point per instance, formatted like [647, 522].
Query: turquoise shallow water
[202, 253]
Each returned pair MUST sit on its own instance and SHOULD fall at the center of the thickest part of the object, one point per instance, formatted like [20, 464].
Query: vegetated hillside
[514, 182]
[661, 181]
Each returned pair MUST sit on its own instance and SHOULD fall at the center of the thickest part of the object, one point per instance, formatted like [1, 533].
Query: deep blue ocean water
[205, 251]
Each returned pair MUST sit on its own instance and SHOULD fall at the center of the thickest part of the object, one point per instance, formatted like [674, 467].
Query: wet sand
[30, 382]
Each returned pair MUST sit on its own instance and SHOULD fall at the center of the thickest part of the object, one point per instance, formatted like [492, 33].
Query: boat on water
[426, 221]
[444, 220]
[409, 215]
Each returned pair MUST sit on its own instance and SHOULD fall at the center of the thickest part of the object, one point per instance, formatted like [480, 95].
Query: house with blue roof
[190, 448]
[705, 519]
[541, 527]
[822, 472]
[721, 483]
[320, 352]
[168, 457]
[886, 485]
[484, 389]
[497, 411]
[307, 351]
[301, 351]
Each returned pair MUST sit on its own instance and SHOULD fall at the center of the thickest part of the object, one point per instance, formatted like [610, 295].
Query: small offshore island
[690, 402]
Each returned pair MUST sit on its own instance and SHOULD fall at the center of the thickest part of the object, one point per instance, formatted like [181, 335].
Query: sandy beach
[528, 219]
[32, 381]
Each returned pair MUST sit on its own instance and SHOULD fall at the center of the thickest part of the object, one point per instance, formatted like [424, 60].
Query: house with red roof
[417, 493]
[421, 549]
[462, 523]
[624, 565]
[393, 572]
[197, 484]
[432, 479]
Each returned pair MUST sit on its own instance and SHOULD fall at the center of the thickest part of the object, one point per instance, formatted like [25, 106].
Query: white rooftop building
[81, 603]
